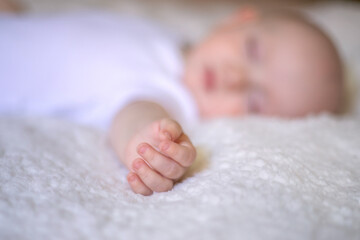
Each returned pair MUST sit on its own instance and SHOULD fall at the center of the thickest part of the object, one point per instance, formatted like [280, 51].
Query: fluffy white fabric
[254, 179]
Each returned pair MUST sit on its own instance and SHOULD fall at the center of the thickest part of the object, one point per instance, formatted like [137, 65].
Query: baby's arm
[145, 131]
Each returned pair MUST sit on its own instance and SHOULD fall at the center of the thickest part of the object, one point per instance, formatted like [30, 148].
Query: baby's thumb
[170, 129]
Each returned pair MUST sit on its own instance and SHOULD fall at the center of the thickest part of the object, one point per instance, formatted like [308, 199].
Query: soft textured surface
[254, 179]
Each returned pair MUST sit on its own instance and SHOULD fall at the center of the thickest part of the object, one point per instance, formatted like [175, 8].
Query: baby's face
[251, 67]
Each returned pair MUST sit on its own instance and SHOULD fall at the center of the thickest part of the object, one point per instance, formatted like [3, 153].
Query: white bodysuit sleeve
[85, 67]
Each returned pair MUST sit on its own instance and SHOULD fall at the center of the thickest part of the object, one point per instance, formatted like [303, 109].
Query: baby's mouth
[209, 79]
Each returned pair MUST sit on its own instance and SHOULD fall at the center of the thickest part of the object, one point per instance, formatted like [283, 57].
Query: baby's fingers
[169, 129]
[184, 152]
[151, 178]
[137, 185]
[162, 164]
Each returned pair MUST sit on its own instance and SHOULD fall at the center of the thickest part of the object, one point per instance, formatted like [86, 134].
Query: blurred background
[193, 18]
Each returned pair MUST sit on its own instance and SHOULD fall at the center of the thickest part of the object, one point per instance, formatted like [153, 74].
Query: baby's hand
[165, 154]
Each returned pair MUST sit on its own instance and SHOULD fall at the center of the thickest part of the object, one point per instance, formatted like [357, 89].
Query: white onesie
[86, 66]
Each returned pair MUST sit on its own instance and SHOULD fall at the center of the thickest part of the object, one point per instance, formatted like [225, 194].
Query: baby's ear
[243, 15]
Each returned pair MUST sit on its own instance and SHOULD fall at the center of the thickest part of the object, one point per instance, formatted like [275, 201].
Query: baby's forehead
[291, 27]
[301, 44]
[308, 61]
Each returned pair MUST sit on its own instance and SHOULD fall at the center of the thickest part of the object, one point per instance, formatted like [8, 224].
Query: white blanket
[254, 178]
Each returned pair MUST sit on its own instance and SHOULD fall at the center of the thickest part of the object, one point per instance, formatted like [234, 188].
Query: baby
[270, 63]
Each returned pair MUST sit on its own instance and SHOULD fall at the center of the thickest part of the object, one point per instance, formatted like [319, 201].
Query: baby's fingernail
[167, 135]
[142, 149]
[131, 177]
[137, 165]
[165, 146]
